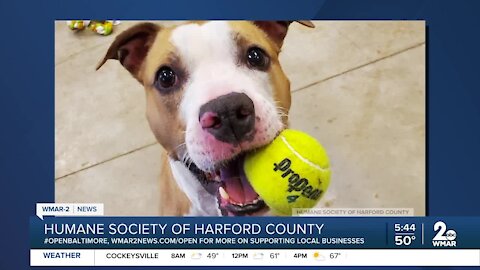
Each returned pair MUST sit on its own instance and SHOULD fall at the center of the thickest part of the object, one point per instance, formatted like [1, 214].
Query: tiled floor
[358, 87]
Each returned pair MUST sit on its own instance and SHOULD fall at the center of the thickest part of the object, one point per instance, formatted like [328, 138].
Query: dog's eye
[257, 58]
[166, 77]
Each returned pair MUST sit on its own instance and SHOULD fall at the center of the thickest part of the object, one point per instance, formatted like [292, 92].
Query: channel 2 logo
[444, 237]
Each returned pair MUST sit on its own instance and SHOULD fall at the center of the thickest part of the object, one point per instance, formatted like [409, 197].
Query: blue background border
[27, 91]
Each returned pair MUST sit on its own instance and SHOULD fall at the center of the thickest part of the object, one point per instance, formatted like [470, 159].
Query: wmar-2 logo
[444, 237]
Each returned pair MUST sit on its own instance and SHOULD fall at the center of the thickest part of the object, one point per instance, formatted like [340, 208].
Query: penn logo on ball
[300, 174]
[296, 182]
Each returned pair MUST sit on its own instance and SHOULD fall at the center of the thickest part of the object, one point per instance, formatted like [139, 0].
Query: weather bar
[279, 257]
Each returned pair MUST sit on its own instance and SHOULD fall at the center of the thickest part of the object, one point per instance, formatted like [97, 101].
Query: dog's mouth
[236, 196]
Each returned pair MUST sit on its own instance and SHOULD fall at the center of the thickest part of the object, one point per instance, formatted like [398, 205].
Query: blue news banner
[254, 233]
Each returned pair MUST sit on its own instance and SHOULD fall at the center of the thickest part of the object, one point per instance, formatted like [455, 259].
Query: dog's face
[215, 90]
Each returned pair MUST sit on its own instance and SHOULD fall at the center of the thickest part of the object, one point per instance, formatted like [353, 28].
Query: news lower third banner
[103, 232]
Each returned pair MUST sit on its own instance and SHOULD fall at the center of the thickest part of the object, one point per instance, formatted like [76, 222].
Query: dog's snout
[229, 118]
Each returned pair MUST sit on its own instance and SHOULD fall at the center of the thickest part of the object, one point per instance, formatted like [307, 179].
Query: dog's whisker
[184, 158]
[188, 160]
[281, 113]
[181, 145]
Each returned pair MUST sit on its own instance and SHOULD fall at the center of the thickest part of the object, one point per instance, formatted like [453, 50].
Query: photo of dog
[216, 90]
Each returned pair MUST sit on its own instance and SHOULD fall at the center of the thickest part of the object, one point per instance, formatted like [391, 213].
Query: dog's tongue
[236, 183]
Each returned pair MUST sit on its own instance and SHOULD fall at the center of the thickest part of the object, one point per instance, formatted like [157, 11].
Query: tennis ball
[291, 172]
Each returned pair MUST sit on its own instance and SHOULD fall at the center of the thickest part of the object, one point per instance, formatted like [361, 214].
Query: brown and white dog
[215, 90]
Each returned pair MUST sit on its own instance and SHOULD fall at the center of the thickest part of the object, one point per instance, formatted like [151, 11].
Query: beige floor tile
[378, 39]
[127, 185]
[69, 43]
[372, 123]
[98, 114]
[310, 55]
[332, 47]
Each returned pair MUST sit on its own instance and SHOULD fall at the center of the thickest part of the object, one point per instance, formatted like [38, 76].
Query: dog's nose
[229, 118]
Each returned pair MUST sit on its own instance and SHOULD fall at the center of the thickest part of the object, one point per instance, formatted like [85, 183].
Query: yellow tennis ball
[293, 171]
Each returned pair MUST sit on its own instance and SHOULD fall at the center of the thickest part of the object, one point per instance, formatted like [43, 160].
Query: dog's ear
[277, 30]
[131, 47]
